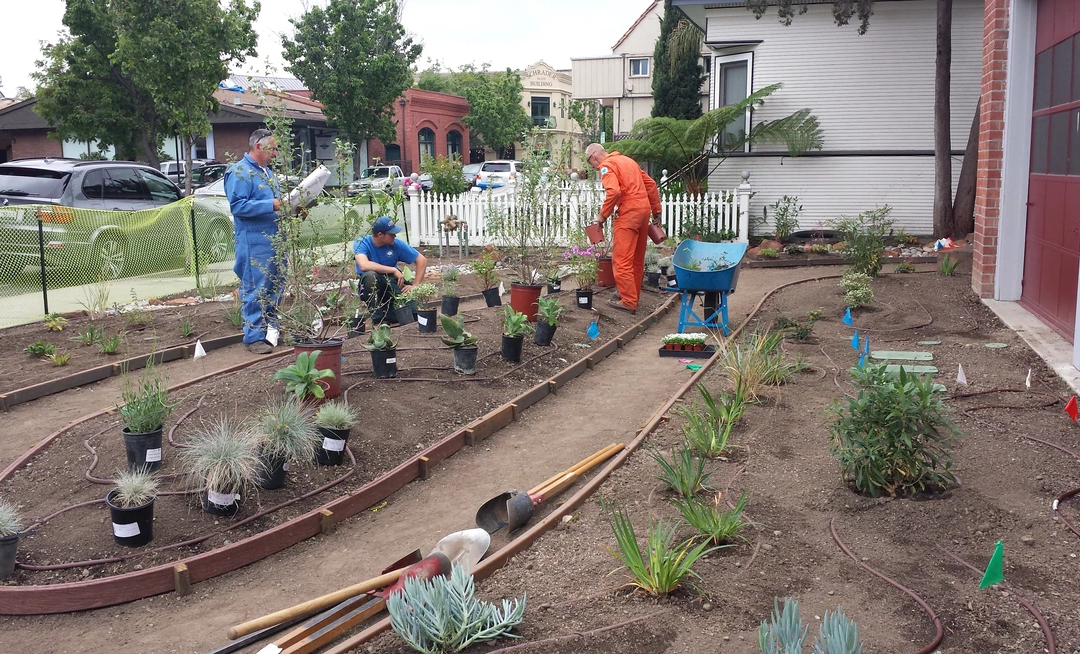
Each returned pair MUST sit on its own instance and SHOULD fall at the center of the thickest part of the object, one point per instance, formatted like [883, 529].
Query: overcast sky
[455, 32]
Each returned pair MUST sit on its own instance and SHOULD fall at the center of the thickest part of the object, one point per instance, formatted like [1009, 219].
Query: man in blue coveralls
[377, 258]
[254, 198]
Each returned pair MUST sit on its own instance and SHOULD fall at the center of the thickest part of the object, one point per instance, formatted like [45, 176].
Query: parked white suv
[378, 178]
[500, 172]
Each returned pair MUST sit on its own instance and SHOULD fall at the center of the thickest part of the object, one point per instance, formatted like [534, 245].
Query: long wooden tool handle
[313, 605]
[569, 478]
[554, 478]
[327, 634]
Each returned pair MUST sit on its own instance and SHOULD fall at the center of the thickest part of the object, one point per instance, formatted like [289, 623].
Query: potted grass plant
[383, 352]
[489, 276]
[420, 295]
[463, 343]
[547, 320]
[143, 412]
[515, 326]
[334, 421]
[450, 299]
[287, 437]
[222, 461]
[10, 527]
[131, 507]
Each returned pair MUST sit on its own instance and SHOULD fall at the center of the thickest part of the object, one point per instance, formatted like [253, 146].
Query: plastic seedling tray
[689, 354]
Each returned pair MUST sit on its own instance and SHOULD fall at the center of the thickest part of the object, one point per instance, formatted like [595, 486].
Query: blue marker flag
[855, 341]
[866, 344]
[594, 330]
[862, 360]
[847, 318]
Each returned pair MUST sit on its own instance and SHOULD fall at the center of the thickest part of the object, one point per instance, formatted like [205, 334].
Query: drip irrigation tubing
[1043, 624]
[577, 634]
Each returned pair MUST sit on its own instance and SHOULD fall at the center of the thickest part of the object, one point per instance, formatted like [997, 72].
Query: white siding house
[873, 95]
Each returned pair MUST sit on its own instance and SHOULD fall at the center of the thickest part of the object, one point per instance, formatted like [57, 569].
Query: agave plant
[380, 338]
[456, 336]
[134, 488]
[286, 431]
[222, 457]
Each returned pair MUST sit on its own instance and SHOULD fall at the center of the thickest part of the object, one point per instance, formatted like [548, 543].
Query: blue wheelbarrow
[710, 270]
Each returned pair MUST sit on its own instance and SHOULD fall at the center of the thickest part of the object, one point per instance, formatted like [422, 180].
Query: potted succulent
[450, 299]
[404, 309]
[222, 461]
[145, 407]
[131, 507]
[287, 437]
[10, 526]
[334, 420]
[304, 380]
[420, 295]
[383, 352]
[464, 344]
[515, 326]
[489, 276]
[548, 322]
[583, 263]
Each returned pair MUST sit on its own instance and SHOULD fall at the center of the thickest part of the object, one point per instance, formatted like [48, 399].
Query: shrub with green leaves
[515, 323]
[785, 633]
[302, 378]
[718, 525]
[864, 239]
[768, 253]
[793, 248]
[895, 437]
[685, 472]
[40, 349]
[442, 614]
[421, 294]
[857, 291]
[446, 176]
[785, 216]
[549, 310]
[905, 267]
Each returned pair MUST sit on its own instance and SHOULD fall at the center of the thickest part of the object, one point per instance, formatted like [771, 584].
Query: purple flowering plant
[584, 265]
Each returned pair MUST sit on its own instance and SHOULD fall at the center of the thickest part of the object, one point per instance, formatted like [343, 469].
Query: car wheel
[110, 256]
[217, 242]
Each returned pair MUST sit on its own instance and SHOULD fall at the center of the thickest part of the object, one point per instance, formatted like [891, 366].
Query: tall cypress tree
[677, 72]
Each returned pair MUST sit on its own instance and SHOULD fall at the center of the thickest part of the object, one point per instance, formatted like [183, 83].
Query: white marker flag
[960, 376]
[199, 351]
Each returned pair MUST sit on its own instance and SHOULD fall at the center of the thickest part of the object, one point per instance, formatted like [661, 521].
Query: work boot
[261, 347]
[617, 304]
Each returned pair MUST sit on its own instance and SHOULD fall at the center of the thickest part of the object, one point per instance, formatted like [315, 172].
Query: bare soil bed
[393, 428]
[780, 456]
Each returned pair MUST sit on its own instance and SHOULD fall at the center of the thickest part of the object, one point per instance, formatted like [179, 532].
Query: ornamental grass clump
[10, 522]
[134, 488]
[718, 525]
[335, 414]
[664, 565]
[684, 473]
[785, 633]
[222, 457]
[443, 615]
[895, 437]
[287, 432]
[146, 403]
[755, 361]
[708, 428]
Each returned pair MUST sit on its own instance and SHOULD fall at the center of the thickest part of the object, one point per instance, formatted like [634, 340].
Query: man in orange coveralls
[635, 194]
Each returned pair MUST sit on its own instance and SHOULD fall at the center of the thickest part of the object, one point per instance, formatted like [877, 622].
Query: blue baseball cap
[383, 225]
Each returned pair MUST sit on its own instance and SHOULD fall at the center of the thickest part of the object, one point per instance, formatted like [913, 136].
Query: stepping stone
[997, 346]
[918, 370]
[929, 343]
[902, 356]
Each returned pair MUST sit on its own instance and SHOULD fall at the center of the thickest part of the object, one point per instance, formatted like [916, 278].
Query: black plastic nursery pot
[223, 504]
[450, 305]
[427, 319]
[132, 527]
[465, 360]
[143, 450]
[511, 347]
[544, 333]
[491, 297]
[652, 280]
[554, 288]
[8, 545]
[356, 326]
[584, 299]
[271, 473]
[384, 363]
[333, 446]
[404, 314]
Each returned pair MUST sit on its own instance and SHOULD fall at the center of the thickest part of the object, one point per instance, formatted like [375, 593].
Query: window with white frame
[733, 77]
[639, 68]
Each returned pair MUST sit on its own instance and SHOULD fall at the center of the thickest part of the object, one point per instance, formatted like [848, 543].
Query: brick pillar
[991, 126]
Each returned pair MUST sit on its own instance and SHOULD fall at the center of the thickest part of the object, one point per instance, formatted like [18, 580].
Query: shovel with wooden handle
[515, 508]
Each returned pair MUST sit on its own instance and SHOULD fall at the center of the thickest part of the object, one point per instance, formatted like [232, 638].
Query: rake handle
[554, 478]
[567, 480]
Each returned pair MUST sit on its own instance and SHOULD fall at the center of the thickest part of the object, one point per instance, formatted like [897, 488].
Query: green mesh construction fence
[60, 259]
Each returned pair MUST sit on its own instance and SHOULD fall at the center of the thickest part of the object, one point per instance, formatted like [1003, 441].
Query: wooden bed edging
[131, 586]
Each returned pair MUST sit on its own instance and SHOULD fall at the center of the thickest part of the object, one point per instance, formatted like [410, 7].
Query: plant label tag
[154, 455]
[285, 467]
[673, 282]
[392, 360]
[333, 445]
[126, 531]
[317, 325]
[221, 499]
[272, 335]
[583, 300]
[502, 288]
[422, 320]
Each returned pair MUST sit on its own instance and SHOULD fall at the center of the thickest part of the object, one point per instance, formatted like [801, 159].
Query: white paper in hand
[960, 376]
[200, 352]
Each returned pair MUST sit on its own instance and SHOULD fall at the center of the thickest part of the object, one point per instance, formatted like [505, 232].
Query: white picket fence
[727, 212]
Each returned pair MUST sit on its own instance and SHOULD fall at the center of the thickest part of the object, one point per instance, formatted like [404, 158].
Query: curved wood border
[97, 593]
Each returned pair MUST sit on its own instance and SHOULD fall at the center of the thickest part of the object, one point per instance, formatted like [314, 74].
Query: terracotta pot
[605, 277]
[523, 299]
[669, 346]
[329, 359]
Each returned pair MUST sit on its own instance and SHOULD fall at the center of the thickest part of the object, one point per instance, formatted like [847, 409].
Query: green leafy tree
[843, 10]
[495, 111]
[591, 119]
[677, 72]
[129, 73]
[454, 82]
[356, 59]
[683, 145]
[446, 175]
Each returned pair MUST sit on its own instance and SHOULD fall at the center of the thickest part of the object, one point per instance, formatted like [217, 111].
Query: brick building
[428, 123]
[1027, 216]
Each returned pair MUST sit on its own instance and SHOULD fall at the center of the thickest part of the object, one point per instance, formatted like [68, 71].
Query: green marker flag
[994, 572]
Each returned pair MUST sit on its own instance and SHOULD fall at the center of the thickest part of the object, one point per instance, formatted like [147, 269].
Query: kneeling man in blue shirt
[377, 259]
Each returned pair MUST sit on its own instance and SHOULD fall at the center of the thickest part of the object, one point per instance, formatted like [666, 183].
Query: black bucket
[132, 527]
[8, 545]
[143, 450]
[511, 347]
[384, 363]
[554, 288]
[216, 503]
[333, 446]
[450, 305]
[271, 473]
[584, 299]
[491, 296]
[427, 319]
[544, 333]
[465, 360]
[404, 314]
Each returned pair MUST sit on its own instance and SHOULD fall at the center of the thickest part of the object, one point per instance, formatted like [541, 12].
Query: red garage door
[1052, 257]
